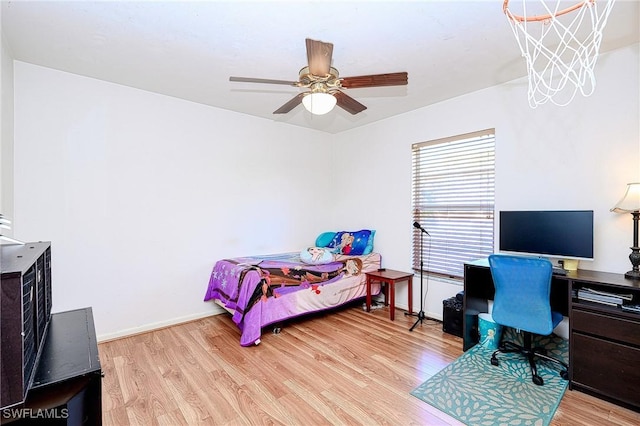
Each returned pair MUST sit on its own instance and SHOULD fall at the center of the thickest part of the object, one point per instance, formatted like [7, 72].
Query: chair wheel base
[538, 380]
[564, 374]
[494, 361]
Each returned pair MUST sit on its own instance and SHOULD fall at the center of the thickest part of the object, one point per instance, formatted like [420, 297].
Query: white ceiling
[189, 49]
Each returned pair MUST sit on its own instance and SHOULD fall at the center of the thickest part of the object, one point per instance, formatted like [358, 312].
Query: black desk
[478, 289]
[604, 341]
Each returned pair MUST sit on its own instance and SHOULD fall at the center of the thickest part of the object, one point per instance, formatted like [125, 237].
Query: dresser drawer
[609, 368]
[619, 329]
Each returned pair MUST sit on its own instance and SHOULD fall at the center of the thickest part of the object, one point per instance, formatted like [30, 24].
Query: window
[453, 191]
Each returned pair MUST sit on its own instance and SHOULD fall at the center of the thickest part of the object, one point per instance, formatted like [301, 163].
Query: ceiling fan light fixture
[325, 86]
[319, 103]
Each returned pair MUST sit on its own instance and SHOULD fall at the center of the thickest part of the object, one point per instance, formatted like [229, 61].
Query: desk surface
[581, 275]
[70, 348]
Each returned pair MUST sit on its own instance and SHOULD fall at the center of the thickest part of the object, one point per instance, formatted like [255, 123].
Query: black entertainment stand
[604, 341]
[67, 382]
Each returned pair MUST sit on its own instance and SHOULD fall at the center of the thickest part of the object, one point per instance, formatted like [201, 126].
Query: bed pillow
[325, 239]
[353, 242]
[316, 255]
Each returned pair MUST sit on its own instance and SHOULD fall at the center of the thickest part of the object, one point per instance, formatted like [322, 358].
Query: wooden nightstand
[390, 276]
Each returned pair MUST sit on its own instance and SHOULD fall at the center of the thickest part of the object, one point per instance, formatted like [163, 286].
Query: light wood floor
[346, 368]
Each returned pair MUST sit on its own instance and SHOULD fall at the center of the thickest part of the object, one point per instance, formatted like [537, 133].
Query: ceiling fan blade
[319, 56]
[290, 105]
[262, 80]
[392, 79]
[349, 104]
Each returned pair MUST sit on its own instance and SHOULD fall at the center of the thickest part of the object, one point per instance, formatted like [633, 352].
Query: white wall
[141, 193]
[576, 157]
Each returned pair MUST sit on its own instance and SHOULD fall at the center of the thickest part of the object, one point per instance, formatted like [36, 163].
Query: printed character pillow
[316, 255]
[352, 243]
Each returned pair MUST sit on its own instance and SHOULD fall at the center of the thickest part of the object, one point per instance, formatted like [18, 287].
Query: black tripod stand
[421, 316]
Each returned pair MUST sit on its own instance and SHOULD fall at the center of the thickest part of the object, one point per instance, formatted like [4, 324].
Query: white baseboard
[157, 325]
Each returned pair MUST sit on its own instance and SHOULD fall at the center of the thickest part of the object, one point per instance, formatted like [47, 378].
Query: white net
[561, 46]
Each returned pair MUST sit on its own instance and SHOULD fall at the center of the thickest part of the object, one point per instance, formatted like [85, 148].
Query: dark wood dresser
[605, 341]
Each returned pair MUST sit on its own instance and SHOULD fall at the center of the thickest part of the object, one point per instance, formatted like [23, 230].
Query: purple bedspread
[261, 290]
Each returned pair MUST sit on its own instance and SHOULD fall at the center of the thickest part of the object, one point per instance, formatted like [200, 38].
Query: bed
[264, 290]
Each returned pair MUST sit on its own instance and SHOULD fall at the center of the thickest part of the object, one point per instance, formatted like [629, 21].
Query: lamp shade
[631, 200]
[319, 103]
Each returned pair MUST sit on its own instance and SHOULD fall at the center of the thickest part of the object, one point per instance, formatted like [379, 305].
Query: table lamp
[630, 203]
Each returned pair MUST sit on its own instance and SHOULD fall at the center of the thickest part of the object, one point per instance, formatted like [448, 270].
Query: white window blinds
[453, 199]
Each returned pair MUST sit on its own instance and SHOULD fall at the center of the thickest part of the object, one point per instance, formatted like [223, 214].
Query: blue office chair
[521, 301]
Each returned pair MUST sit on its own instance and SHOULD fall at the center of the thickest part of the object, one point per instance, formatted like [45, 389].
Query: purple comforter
[264, 289]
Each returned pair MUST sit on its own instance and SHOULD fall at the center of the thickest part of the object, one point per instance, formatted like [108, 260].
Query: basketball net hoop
[561, 47]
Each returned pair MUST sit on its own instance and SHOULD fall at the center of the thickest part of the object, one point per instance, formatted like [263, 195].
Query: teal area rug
[477, 393]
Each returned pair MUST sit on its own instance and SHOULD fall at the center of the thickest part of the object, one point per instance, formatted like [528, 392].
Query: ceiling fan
[324, 83]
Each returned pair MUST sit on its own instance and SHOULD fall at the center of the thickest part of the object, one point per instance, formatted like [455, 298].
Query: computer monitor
[566, 234]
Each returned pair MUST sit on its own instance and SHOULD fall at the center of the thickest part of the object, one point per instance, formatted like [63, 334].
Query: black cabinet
[25, 308]
[67, 382]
